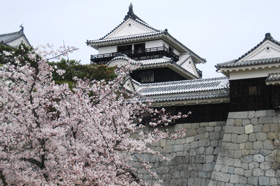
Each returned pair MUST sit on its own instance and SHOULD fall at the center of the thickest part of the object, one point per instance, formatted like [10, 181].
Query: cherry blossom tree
[53, 135]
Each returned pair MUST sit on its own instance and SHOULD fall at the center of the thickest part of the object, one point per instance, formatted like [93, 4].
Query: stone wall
[194, 155]
[244, 150]
[249, 154]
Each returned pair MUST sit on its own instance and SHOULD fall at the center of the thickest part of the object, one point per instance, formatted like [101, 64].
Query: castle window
[253, 90]
[139, 48]
[147, 77]
[125, 49]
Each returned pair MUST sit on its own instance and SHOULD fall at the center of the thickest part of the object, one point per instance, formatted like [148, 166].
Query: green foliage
[9, 54]
[73, 69]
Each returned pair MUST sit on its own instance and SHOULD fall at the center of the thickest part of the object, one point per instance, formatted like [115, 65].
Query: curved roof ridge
[267, 37]
[184, 81]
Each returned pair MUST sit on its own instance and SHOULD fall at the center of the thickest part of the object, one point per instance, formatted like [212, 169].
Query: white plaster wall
[253, 73]
[108, 49]
[17, 42]
[130, 27]
[189, 66]
[262, 52]
[155, 43]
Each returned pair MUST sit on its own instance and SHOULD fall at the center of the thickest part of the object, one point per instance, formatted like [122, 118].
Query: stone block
[251, 114]
[243, 180]
[263, 180]
[207, 167]
[253, 180]
[209, 158]
[214, 143]
[247, 159]
[234, 138]
[265, 165]
[260, 113]
[265, 152]
[258, 172]
[194, 125]
[224, 168]
[209, 150]
[189, 139]
[191, 132]
[271, 158]
[242, 146]
[170, 142]
[267, 144]
[248, 173]
[186, 147]
[252, 137]
[258, 158]
[266, 128]
[234, 129]
[237, 154]
[234, 178]
[230, 146]
[257, 128]
[230, 122]
[273, 181]
[248, 145]
[162, 142]
[227, 137]
[275, 127]
[249, 129]
[242, 138]
[209, 129]
[254, 121]
[270, 113]
[167, 149]
[261, 136]
[201, 130]
[234, 115]
[231, 169]
[271, 135]
[270, 173]
[265, 120]
[239, 171]
[214, 135]
[203, 143]
[237, 163]
[178, 148]
[238, 122]
[245, 166]
[253, 165]
[276, 119]
[246, 122]
[194, 144]
[257, 145]
[199, 137]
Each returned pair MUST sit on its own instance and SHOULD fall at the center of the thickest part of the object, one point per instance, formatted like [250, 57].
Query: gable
[15, 43]
[267, 49]
[129, 27]
[189, 66]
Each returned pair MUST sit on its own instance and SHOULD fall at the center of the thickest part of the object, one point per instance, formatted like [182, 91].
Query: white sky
[218, 30]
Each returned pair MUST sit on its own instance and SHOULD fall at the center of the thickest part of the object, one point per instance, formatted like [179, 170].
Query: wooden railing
[147, 53]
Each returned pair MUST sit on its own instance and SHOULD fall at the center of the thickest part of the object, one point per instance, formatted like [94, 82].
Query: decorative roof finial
[130, 13]
[21, 28]
[130, 9]
[268, 36]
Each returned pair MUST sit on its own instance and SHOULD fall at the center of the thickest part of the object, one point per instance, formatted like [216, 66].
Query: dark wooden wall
[160, 75]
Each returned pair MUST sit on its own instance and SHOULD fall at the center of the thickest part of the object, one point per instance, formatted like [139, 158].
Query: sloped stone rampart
[194, 155]
[250, 150]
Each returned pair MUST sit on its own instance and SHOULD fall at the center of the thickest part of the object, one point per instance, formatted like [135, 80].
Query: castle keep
[232, 134]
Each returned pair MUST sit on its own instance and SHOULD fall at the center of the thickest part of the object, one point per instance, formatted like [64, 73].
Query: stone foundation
[244, 150]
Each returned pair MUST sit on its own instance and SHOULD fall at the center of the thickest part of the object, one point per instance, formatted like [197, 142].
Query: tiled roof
[130, 15]
[236, 63]
[190, 96]
[141, 35]
[155, 61]
[184, 86]
[273, 77]
[9, 37]
[267, 37]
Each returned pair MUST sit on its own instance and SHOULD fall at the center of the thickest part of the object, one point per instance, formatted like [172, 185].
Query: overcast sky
[218, 30]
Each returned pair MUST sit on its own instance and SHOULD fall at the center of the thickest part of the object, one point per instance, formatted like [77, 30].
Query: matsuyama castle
[168, 74]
